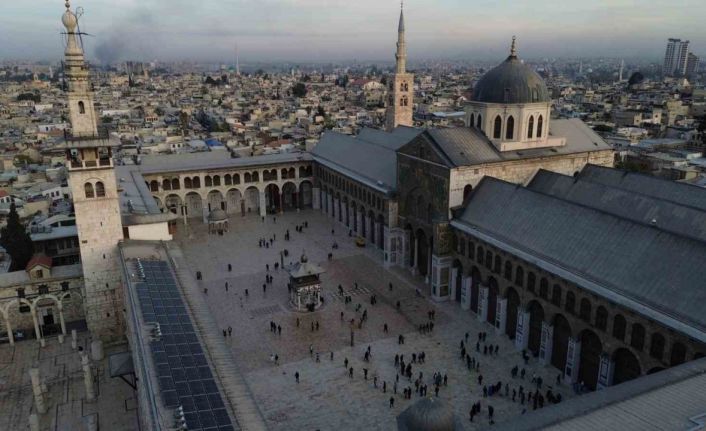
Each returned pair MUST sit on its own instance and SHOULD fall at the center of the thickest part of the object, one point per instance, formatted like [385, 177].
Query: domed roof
[511, 82]
[427, 414]
[217, 215]
[69, 19]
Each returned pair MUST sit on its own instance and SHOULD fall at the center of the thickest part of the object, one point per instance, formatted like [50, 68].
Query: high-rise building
[95, 194]
[692, 65]
[675, 58]
[401, 86]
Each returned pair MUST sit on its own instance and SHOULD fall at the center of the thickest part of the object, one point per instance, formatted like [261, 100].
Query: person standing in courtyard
[296, 376]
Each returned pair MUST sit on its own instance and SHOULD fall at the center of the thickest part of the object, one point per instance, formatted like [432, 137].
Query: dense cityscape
[514, 244]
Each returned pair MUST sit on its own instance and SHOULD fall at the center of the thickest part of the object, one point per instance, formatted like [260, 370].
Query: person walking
[296, 376]
[392, 402]
[230, 331]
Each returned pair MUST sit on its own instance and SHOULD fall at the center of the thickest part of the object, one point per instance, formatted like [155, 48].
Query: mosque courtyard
[326, 398]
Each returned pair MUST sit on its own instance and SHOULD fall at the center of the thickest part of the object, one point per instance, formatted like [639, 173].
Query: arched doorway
[215, 200]
[173, 204]
[536, 317]
[591, 350]
[423, 253]
[627, 366]
[560, 341]
[458, 280]
[467, 191]
[305, 195]
[513, 304]
[492, 300]
[289, 196]
[235, 202]
[252, 199]
[194, 205]
[475, 285]
[273, 199]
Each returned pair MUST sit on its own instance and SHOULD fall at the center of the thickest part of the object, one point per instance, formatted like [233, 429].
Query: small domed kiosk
[428, 414]
[305, 285]
[217, 222]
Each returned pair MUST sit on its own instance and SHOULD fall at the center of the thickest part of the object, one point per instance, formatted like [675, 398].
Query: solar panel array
[185, 378]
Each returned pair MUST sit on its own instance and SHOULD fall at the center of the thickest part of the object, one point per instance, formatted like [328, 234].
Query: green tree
[16, 241]
[299, 90]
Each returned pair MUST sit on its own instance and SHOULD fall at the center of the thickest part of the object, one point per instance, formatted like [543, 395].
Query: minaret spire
[401, 55]
[513, 47]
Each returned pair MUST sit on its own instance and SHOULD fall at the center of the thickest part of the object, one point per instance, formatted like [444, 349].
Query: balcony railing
[91, 164]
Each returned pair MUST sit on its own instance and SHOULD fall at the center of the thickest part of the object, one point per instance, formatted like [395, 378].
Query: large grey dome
[427, 414]
[511, 82]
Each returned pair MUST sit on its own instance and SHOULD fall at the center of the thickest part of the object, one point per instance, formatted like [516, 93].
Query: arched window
[540, 122]
[585, 310]
[227, 180]
[196, 182]
[248, 177]
[472, 123]
[544, 288]
[154, 186]
[471, 250]
[601, 318]
[187, 183]
[497, 127]
[166, 184]
[519, 276]
[208, 181]
[479, 121]
[619, 325]
[284, 174]
[508, 270]
[556, 295]
[489, 259]
[657, 346]
[81, 108]
[236, 178]
[510, 128]
[637, 338]
[88, 189]
[100, 190]
[570, 304]
[216, 180]
[530, 127]
[497, 265]
[175, 184]
[480, 253]
[531, 280]
[256, 176]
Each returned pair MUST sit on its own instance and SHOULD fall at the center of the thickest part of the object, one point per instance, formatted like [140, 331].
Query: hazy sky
[322, 30]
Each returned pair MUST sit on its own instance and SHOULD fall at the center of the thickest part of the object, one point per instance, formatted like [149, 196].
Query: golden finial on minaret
[513, 47]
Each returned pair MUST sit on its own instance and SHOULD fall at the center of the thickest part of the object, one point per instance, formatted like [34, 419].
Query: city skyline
[324, 30]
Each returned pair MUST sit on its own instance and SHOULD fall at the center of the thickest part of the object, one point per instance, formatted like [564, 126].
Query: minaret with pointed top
[95, 195]
[401, 85]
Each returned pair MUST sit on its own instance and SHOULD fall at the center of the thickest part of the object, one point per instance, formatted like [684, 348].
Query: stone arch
[591, 350]
[173, 203]
[235, 201]
[372, 233]
[544, 288]
[306, 194]
[472, 121]
[236, 179]
[194, 204]
[215, 200]
[88, 191]
[513, 304]
[208, 181]
[657, 343]
[187, 183]
[626, 366]
[475, 285]
[100, 189]
[536, 317]
[175, 184]
[479, 122]
[519, 276]
[166, 184]
[556, 295]
[154, 186]
[531, 281]
[290, 196]
[560, 340]
[380, 235]
[273, 198]
[158, 201]
[196, 182]
[216, 180]
[227, 180]
[619, 327]
[252, 199]
[530, 127]
[493, 293]
[601, 318]
[678, 355]
[540, 124]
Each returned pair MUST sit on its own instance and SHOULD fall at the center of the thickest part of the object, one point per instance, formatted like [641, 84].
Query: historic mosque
[518, 218]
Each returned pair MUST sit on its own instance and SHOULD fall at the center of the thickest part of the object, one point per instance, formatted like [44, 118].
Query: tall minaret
[95, 196]
[401, 85]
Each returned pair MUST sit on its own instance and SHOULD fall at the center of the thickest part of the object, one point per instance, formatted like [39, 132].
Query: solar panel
[185, 379]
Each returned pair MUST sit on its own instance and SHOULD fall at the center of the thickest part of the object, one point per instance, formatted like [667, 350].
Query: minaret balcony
[75, 165]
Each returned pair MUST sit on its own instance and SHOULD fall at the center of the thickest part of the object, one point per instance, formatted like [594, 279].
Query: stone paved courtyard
[326, 398]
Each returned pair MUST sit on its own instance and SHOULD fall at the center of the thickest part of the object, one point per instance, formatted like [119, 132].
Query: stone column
[61, 322]
[573, 357]
[37, 390]
[407, 249]
[429, 263]
[332, 212]
[500, 315]
[375, 226]
[545, 346]
[439, 276]
[466, 293]
[605, 371]
[522, 330]
[389, 250]
[316, 198]
[358, 223]
[37, 333]
[281, 202]
[482, 303]
[33, 422]
[8, 327]
[416, 256]
[88, 377]
[263, 204]
[74, 339]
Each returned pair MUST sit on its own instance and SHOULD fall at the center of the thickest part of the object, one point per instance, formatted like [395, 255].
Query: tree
[299, 90]
[16, 241]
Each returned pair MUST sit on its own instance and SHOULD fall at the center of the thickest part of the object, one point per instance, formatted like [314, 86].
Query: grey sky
[322, 30]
